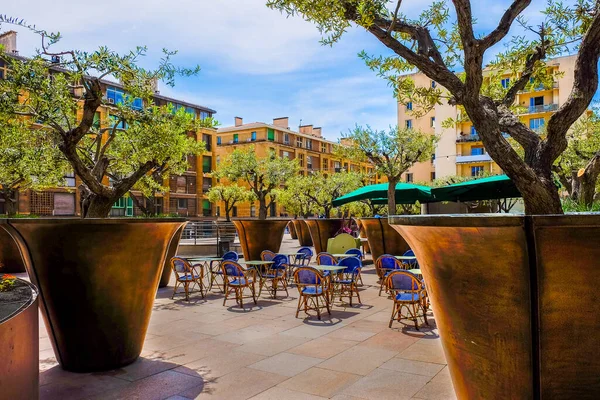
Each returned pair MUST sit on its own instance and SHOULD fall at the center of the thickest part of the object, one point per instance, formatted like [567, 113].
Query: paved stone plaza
[203, 350]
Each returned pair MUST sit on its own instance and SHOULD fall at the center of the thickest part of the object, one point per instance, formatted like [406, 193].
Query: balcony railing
[468, 138]
[473, 159]
[542, 108]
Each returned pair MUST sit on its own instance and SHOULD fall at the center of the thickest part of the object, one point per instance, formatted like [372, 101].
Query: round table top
[406, 257]
[344, 255]
[416, 271]
[328, 267]
[289, 254]
[256, 262]
[204, 259]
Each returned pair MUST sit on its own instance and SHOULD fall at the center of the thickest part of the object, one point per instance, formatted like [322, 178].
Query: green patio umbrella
[493, 187]
[406, 193]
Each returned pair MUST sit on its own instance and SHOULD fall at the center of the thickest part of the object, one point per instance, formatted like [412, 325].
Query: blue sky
[256, 63]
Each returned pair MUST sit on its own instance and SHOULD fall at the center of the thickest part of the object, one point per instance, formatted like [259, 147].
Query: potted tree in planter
[19, 338]
[498, 285]
[392, 153]
[263, 176]
[229, 195]
[98, 277]
[322, 189]
[293, 198]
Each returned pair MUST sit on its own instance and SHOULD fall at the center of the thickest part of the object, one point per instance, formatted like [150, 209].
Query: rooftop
[203, 349]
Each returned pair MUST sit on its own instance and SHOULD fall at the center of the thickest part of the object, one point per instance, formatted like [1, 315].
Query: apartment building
[460, 150]
[186, 196]
[307, 145]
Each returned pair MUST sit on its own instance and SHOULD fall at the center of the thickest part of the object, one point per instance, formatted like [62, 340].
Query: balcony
[542, 108]
[473, 159]
[463, 138]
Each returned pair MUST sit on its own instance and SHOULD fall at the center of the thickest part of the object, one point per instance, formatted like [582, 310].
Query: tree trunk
[94, 206]
[228, 209]
[147, 211]
[327, 212]
[262, 208]
[10, 205]
[391, 194]
[540, 197]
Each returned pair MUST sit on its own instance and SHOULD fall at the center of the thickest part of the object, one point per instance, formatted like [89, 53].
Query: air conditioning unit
[249, 140]
[231, 142]
[111, 101]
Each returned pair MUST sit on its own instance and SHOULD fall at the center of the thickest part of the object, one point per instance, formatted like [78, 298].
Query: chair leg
[299, 305]
[327, 305]
[316, 300]
[253, 288]
[226, 290]
[175, 289]
[393, 315]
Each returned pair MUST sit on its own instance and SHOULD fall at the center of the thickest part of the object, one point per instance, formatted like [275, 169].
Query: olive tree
[391, 152]
[443, 39]
[229, 195]
[63, 92]
[322, 189]
[27, 161]
[293, 197]
[262, 174]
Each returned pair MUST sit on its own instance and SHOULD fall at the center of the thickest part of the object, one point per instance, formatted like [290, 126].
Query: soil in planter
[13, 298]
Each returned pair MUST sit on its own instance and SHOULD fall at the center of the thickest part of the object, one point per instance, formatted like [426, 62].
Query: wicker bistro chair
[236, 279]
[346, 282]
[267, 255]
[324, 258]
[408, 293]
[312, 288]
[187, 275]
[410, 264]
[216, 271]
[384, 265]
[275, 274]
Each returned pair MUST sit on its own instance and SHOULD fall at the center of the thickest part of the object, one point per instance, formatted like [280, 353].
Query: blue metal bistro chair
[187, 275]
[312, 288]
[386, 264]
[216, 271]
[346, 282]
[361, 256]
[236, 279]
[408, 293]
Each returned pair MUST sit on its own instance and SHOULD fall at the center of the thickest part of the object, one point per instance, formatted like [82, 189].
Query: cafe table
[208, 264]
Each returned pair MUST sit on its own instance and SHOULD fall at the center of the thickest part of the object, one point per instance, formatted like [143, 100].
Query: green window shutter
[206, 164]
[129, 208]
[270, 134]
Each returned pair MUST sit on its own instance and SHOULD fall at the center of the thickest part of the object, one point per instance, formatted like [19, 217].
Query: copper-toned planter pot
[165, 276]
[10, 257]
[302, 232]
[97, 280]
[19, 352]
[321, 230]
[383, 239]
[515, 300]
[292, 229]
[258, 235]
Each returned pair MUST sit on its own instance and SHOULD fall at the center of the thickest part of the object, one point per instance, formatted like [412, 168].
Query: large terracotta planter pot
[292, 229]
[19, 342]
[10, 257]
[165, 276]
[258, 235]
[303, 233]
[97, 280]
[383, 239]
[516, 301]
[321, 230]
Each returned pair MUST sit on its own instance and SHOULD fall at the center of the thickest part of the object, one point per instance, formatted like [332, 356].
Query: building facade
[186, 195]
[307, 145]
[460, 150]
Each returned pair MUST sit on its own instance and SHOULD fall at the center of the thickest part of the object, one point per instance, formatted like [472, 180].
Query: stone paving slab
[204, 350]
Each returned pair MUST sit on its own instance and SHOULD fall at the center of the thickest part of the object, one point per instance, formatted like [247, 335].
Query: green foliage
[263, 175]
[293, 197]
[135, 144]
[229, 195]
[573, 206]
[322, 189]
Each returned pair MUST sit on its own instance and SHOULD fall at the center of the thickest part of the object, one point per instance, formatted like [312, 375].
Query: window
[309, 163]
[234, 211]
[337, 166]
[235, 138]
[219, 140]
[286, 138]
[409, 106]
[182, 204]
[536, 123]
[409, 177]
[323, 147]
[116, 95]
[273, 210]
[477, 151]
[253, 210]
[301, 160]
[433, 176]
[473, 131]
[218, 159]
[409, 124]
[298, 141]
[218, 213]
[253, 136]
[114, 120]
[208, 140]
[432, 122]
[206, 208]
[270, 134]
[433, 84]
[325, 163]
[206, 164]
[285, 154]
[70, 179]
[536, 101]
[477, 170]
[204, 115]
[505, 83]
[309, 143]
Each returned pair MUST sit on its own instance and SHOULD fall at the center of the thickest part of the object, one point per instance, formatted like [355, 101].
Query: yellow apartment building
[186, 196]
[307, 145]
[460, 150]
